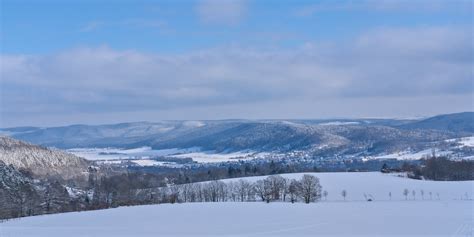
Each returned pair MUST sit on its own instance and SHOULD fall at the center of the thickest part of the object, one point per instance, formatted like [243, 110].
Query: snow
[195, 124]
[407, 155]
[144, 153]
[140, 162]
[448, 216]
[211, 157]
[118, 153]
[144, 162]
[463, 141]
[467, 141]
[109, 162]
[147, 162]
[410, 155]
[338, 123]
[379, 185]
[256, 219]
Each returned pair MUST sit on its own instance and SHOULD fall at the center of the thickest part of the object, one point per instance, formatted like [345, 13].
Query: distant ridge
[458, 122]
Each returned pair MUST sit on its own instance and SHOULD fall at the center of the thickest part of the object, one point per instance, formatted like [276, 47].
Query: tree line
[439, 168]
[273, 188]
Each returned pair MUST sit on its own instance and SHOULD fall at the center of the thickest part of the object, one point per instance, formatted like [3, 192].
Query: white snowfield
[117, 153]
[464, 141]
[408, 155]
[144, 153]
[448, 216]
[212, 157]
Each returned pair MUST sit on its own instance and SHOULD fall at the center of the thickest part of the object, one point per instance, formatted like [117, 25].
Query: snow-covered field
[256, 219]
[211, 157]
[448, 216]
[117, 153]
[379, 185]
[410, 155]
[464, 141]
[144, 153]
[407, 155]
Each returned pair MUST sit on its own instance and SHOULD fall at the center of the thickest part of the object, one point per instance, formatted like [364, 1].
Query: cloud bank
[362, 76]
[227, 12]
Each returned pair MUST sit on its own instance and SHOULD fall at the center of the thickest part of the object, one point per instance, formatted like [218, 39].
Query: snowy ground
[408, 155]
[144, 153]
[379, 186]
[449, 216]
[211, 157]
[397, 218]
[117, 153]
[464, 141]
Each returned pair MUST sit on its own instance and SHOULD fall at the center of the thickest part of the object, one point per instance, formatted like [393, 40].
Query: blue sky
[42, 27]
[112, 61]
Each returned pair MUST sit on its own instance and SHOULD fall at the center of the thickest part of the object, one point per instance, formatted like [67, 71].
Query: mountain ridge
[345, 135]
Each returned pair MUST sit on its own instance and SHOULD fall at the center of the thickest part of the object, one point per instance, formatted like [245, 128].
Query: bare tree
[285, 183]
[294, 190]
[174, 193]
[413, 193]
[267, 189]
[222, 191]
[422, 194]
[405, 193]
[344, 194]
[431, 195]
[232, 191]
[310, 187]
[260, 189]
[215, 190]
[186, 192]
[390, 195]
[276, 185]
[271, 188]
[325, 194]
[198, 192]
[243, 189]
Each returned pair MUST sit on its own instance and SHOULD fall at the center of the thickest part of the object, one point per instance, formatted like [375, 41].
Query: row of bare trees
[273, 188]
[406, 193]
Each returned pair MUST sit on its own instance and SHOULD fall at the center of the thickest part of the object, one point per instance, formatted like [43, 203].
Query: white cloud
[385, 5]
[381, 67]
[228, 12]
[91, 26]
[129, 23]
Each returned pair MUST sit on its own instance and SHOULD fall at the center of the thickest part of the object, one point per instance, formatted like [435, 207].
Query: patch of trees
[21, 196]
[442, 168]
[436, 168]
[388, 169]
[271, 189]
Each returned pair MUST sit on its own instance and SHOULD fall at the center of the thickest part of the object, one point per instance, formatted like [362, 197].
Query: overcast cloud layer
[378, 66]
[381, 71]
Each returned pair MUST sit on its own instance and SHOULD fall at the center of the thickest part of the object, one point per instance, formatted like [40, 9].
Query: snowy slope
[256, 219]
[382, 217]
[379, 185]
[40, 160]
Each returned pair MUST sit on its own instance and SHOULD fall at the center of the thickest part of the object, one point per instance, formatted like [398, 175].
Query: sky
[104, 61]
